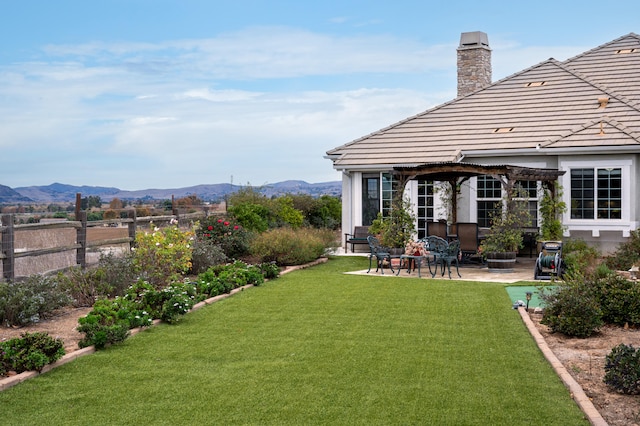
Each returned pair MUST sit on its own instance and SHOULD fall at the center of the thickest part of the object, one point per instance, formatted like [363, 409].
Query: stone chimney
[474, 62]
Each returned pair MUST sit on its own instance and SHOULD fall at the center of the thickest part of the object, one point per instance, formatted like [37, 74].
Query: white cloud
[184, 112]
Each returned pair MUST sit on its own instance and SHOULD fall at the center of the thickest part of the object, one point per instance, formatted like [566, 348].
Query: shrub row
[31, 351]
[580, 306]
[109, 321]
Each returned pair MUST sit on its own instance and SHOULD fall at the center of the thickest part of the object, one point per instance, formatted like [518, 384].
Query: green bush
[270, 270]
[627, 254]
[622, 369]
[226, 233]
[29, 301]
[287, 246]
[30, 352]
[206, 253]
[579, 257]
[572, 309]
[619, 299]
[106, 324]
[254, 217]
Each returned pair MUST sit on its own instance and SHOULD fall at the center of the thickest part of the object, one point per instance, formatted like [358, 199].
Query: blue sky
[142, 94]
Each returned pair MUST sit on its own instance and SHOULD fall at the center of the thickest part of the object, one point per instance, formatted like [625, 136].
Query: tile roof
[551, 106]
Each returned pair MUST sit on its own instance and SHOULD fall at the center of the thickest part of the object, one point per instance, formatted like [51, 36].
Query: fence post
[81, 238]
[132, 227]
[8, 263]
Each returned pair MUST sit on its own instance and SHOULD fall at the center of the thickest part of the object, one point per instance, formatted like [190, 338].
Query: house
[579, 118]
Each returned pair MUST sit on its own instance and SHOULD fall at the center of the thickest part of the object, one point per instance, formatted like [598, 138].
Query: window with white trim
[425, 206]
[489, 199]
[596, 193]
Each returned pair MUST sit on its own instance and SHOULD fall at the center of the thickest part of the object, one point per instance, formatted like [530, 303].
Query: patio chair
[437, 247]
[378, 252]
[439, 229]
[448, 256]
[467, 233]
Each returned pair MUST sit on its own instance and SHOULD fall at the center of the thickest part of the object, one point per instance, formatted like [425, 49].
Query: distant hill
[8, 195]
[58, 192]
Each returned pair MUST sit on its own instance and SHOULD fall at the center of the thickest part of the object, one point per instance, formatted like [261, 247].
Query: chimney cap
[473, 40]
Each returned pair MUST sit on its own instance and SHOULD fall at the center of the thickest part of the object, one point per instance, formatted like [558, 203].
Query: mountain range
[58, 192]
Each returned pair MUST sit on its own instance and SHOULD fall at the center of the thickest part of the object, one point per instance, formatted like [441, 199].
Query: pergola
[457, 173]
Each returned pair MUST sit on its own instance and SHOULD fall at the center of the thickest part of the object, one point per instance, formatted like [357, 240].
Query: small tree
[506, 233]
[551, 209]
[398, 228]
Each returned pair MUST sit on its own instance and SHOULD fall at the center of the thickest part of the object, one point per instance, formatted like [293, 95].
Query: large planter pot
[501, 261]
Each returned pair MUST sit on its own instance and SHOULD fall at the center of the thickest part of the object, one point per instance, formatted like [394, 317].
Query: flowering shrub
[163, 255]
[226, 233]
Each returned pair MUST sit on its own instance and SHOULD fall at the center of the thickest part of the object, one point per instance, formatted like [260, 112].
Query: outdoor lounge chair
[359, 236]
[439, 229]
[469, 240]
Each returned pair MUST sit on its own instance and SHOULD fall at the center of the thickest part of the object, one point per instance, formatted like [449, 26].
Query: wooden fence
[78, 242]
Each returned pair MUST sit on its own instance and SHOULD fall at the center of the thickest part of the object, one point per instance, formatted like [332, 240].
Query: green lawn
[315, 346]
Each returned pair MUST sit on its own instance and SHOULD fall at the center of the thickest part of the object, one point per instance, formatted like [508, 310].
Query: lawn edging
[577, 393]
[11, 381]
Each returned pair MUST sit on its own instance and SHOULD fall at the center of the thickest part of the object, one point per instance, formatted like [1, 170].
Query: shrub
[254, 217]
[167, 304]
[622, 369]
[572, 309]
[163, 255]
[30, 300]
[30, 352]
[270, 270]
[627, 254]
[619, 299]
[206, 253]
[106, 324]
[579, 258]
[110, 278]
[226, 233]
[119, 272]
[291, 247]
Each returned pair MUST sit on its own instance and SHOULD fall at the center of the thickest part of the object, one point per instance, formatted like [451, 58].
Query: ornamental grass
[316, 346]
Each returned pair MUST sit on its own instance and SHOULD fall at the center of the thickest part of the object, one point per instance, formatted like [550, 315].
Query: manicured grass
[315, 347]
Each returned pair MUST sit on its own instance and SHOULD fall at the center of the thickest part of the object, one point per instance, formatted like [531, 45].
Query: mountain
[58, 192]
[8, 195]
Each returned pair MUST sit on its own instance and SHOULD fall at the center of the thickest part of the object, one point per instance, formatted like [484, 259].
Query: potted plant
[505, 236]
[396, 230]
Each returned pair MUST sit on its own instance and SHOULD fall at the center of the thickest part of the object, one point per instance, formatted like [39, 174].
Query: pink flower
[210, 228]
[219, 220]
[226, 224]
[236, 227]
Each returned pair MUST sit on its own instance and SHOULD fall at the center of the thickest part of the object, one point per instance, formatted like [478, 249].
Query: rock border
[577, 393]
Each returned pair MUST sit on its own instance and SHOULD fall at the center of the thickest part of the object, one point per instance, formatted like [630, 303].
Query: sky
[140, 94]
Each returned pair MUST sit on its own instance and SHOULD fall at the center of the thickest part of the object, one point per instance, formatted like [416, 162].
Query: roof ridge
[621, 97]
[590, 123]
[586, 52]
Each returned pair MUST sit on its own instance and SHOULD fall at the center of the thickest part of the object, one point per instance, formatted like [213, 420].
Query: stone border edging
[577, 393]
[11, 381]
